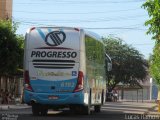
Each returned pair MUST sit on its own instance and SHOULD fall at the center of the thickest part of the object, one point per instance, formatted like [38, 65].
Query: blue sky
[121, 18]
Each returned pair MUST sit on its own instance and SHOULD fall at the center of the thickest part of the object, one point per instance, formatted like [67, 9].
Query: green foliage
[128, 65]
[11, 48]
[155, 64]
[153, 8]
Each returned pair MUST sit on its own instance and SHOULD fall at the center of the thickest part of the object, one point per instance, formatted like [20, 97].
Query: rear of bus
[51, 67]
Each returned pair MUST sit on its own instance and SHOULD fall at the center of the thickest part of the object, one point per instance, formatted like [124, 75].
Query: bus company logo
[55, 38]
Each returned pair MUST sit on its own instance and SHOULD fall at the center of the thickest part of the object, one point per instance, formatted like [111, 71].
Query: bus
[64, 67]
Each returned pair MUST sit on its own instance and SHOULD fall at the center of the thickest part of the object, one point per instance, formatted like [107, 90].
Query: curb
[13, 107]
[2, 108]
[151, 109]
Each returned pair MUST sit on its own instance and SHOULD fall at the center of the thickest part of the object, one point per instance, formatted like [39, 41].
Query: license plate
[52, 97]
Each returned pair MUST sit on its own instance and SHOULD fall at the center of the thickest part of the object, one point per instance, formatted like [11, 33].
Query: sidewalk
[15, 106]
[139, 101]
[153, 111]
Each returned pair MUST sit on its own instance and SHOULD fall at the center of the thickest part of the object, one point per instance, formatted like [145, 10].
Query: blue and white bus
[63, 67]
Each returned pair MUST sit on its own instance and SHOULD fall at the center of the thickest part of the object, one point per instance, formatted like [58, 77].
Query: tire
[35, 110]
[44, 111]
[97, 108]
[76, 109]
[86, 110]
[73, 109]
[102, 98]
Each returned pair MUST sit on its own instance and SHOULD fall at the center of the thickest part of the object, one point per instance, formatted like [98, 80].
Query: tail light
[27, 85]
[79, 85]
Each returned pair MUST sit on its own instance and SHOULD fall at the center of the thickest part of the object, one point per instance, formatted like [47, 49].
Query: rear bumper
[63, 99]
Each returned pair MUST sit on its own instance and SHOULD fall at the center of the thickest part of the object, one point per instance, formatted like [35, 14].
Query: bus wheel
[86, 110]
[97, 108]
[35, 110]
[102, 98]
[44, 111]
[73, 109]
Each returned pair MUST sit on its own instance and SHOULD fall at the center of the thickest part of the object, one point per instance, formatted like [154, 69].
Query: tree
[11, 48]
[153, 7]
[155, 64]
[128, 65]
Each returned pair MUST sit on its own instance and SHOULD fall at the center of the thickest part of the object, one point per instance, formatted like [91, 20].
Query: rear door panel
[53, 66]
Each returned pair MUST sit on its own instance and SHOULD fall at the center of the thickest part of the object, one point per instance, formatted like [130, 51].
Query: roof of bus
[89, 33]
[92, 34]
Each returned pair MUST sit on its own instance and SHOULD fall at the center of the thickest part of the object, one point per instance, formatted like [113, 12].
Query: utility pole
[151, 83]
[5, 9]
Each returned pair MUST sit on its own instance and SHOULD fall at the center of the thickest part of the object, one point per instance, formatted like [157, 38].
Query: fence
[14, 85]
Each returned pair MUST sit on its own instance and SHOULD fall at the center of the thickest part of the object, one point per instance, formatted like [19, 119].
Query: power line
[143, 44]
[100, 28]
[97, 28]
[94, 12]
[118, 28]
[130, 27]
[85, 20]
[31, 22]
[79, 2]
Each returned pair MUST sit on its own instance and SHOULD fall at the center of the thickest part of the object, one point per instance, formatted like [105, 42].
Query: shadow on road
[110, 111]
[67, 115]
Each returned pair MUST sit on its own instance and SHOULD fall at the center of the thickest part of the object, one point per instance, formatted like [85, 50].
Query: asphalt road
[110, 111]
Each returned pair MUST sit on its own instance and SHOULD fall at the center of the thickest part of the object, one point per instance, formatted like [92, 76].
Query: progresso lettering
[51, 54]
